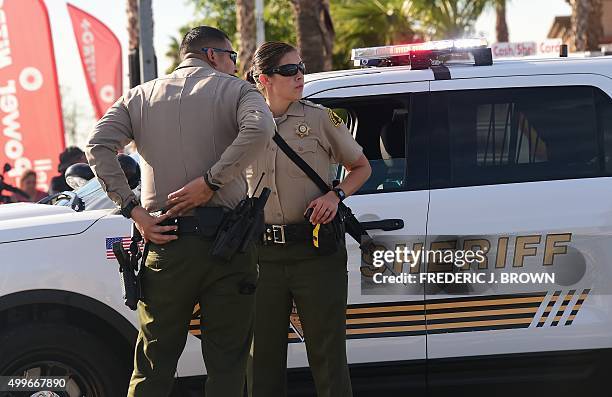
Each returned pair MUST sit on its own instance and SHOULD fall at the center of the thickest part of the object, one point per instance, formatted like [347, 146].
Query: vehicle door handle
[384, 224]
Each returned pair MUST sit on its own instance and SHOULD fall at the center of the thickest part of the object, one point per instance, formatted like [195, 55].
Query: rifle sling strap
[317, 180]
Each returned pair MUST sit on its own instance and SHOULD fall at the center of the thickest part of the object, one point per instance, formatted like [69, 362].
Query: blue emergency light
[424, 55]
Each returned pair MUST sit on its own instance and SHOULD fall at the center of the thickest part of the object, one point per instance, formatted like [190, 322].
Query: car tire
[96, 369]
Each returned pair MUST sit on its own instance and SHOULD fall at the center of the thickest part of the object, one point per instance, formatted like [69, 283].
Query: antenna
[259, 182]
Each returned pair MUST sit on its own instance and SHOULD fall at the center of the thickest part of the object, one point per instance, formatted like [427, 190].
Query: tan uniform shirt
[321, 138]
[184, 124]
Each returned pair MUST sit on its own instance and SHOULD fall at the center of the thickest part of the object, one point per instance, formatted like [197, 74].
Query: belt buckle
[276, 229]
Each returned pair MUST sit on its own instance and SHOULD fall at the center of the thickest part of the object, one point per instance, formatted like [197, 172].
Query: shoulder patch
[335, 119]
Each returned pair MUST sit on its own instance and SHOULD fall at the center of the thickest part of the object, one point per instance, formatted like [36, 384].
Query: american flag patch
[112, 240]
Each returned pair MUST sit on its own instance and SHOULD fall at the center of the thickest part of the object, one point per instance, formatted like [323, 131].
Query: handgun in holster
[129, 268]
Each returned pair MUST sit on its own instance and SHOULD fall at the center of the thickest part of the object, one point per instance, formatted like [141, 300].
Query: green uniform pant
[176, 276]
[318, 285]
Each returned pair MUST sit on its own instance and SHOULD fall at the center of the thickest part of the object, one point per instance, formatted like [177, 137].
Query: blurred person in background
[27, 183]
[70, 155]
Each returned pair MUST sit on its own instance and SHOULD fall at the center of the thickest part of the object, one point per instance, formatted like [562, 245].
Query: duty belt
[282, 234]
[185, 224]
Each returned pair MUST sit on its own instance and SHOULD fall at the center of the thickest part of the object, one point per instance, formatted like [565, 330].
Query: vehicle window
[604, 113]
[522, 134]
[381, 125]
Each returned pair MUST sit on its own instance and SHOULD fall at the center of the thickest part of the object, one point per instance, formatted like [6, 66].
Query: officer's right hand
[195, 193]
[149, 226]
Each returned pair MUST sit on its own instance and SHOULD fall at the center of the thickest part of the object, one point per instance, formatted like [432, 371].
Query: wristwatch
[127, 210]
[340, 193]
[212, 187]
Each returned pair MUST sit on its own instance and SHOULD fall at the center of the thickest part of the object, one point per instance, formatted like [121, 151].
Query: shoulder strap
[303, 165]
[354, 227]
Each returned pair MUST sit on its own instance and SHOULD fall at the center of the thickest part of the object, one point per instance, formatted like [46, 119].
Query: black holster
[129, 268]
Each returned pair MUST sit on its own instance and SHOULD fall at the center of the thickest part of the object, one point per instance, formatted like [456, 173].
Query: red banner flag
[30, 107]
[101, 58]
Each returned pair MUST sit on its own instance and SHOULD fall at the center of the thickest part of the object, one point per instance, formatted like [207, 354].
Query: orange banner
[30, 107]
[101, 58]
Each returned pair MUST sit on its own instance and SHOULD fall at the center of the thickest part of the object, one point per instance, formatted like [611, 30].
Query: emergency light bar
[423, 55]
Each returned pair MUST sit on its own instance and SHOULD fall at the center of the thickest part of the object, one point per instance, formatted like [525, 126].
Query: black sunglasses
[287, 70]
[232, 54]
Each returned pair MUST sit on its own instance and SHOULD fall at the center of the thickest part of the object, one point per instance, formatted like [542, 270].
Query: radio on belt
[424, 55]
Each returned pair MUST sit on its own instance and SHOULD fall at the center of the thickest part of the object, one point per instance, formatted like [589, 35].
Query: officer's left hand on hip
[324, 208]
[194, 194]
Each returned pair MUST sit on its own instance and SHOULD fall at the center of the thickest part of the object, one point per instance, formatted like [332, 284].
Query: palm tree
[315, 33]
[173, 51]
[133, 40]
[501, 26]
[368, 23]
[595, 29]
[371, 23]
[132, 26]
[245, 20]
[446, 19]
[278, 16]
[587, 29]
[279, 21]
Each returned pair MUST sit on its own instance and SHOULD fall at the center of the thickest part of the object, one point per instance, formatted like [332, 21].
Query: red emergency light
[424, 55]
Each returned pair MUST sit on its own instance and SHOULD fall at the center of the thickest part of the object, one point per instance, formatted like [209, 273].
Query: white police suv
[511, 158]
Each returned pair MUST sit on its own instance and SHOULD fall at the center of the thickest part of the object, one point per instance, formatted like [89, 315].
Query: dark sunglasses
[287, 70]
[232, 54]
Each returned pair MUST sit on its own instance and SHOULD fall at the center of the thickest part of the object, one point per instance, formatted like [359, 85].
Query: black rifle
[129, 268]
[240, 226]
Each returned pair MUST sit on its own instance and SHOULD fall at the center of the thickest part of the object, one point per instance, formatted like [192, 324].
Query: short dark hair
[202, 36]
[68, 157]
[70, 154]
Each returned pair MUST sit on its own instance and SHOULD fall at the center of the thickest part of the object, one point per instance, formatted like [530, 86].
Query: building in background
[562, 27]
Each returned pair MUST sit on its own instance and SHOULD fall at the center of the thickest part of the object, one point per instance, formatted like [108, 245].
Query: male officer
[196, 130]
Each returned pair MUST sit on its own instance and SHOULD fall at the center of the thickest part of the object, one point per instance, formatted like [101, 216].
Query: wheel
[92, 369]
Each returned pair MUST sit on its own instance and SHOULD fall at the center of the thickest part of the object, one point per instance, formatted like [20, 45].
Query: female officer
[290, 267]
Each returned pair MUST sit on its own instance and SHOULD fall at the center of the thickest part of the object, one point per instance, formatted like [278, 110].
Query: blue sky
[527, 20]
